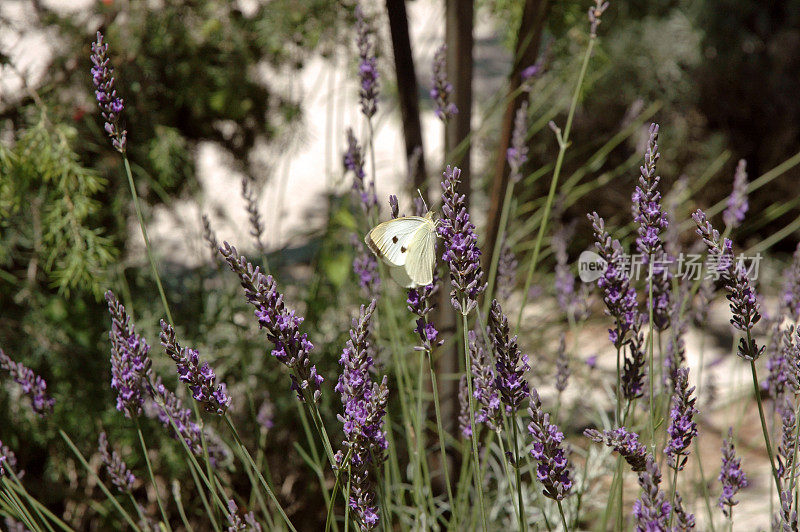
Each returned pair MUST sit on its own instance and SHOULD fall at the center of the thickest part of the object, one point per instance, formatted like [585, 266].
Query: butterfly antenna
[423, 200]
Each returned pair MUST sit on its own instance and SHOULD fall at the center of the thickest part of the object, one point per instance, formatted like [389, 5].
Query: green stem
[757, 391]
[152, 477]
[674, 490]
[474, 436]
[501, 231]
[563, 519]
[38, 507]
[563, 143]
[440, 430]
[509, 478]
[520, 502]
[650, 356]
[704, 484]
[20, 508]
[176, 496]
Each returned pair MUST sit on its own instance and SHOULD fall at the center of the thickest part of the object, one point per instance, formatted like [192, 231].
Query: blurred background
[218, 92]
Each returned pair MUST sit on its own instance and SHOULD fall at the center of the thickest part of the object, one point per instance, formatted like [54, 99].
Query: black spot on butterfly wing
[394, 239]
[402, 249]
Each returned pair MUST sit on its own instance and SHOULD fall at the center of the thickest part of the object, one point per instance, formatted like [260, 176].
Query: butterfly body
[408, 246]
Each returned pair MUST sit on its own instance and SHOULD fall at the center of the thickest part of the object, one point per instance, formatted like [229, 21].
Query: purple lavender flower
[199, 376]
[731, 476]
[562, 365]
[483, 389]
[394, 206]
[111, 105]
[791, 287]
[652, 220]
[441, 89]
[464, 425]
[363, 190]
[32, 385]
[651, 510]
[733, 216]
[742, 296]
[633, 376]
[785, 454]
[251, 203]
[421, 301]
[675, 352]
[511, 364]
[506, 272]
[117, 470]
[786, 521]
[236, 522]
[368, 65]
[365, 265]
[210, 237]
[625, 442]
[683, 519]
[362, 420]
[169, 410]
[553, 470]
[8, 461]
[461, 250]
[12, 525]
[282, 325]
[517, 153]
[591, 361]
[130, 359]
[682, 427]
[531, 71]
[782, 350]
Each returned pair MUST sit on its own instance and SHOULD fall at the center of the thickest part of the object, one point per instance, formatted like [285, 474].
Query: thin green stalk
[650, 356]
[704, 484]
[581, 491]
[520, 502]
[757, 391]
[347, 504]
[563, 519]
[21, 510]
[152, 477]
[474, 436]
[100, 483]
[501, 232]
[674, 490]
[176, 496]
[316, 457]
[38, 506]
[509, 478]
[618, 410]
[209, 512]
[261, 478]
[328, 519]
[563, 143]
[440, 430]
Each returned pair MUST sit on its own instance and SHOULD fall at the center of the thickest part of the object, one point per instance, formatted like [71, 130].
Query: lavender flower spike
[367, 68]
[130, 360]
[733, 216]
[517, 154]
[483, 378]
[364, 409]
[420, 301]
[117, 470]
[562, 365]
[464, 425]
[441, 90]
[353, 161]
[236, 523]
[199, 376]
[8, 461]
[169, 410]
[553, 470]
[625, 442]
[595, 13]
[292, 347]
[511, 363]
[731, 476]
[682, 428]
[791, 287]
[32, 384]
[111, 105]
[461, 251]
[506, 272]
[651, 510]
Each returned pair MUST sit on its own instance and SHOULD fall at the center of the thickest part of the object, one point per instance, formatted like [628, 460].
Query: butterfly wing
[391, 240]
[422, 255]
[400, 276]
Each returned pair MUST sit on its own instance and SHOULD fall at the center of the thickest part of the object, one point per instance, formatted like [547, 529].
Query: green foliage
[50, 211]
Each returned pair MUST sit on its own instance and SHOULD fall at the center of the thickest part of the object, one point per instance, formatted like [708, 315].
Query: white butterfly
[408, 246]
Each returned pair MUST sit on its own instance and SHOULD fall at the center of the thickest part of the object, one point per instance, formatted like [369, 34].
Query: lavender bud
[256, 225]
[368, 65]
[682, 427]
[464, 426]
[441, 88]
[8, 461]
[733, 216]
[110, 104]
[506, 272]
[394, 207]
[130, 359]
[266, 414]
[210, 236]
[511, 364]
[553, 470]
[683, 520]
[236, 522]
[421, 301]
[292, 348]
[199, 376]
[625, 442]
[363, 190]
[365, 266]
[562, 365]
[595, 13]
[652, 509]
[32, 385]
[116, 468]
[730, 475]
[483, 389]
[517, 154]
[169, 410]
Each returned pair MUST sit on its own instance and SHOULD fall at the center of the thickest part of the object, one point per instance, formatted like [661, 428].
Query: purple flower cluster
[199, 376]
[652, 509]
[464, 425]
[421, 301]
[786, 521]
[292, 347]
[368, 65]
[251, 205]
[782, 351]
[742, 296]
[553, 470]
[169, 410]
[353, 160]
[483, 388]
[785, 454]
[507, 265]
[117, 470]
[682, 427]
[730, 475]
[517, 153]
[365, 265]
[8, 461]
[441, 90]
[625, 442]
[652, 220]
[733, 216]
[562, 365]
[461, 250]
[633, 375]
[683, 520]
[130, 359]
[362, 420]
[511, 364]
[236, 522]
[32, 385]
[791, 287]
[111, 105]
